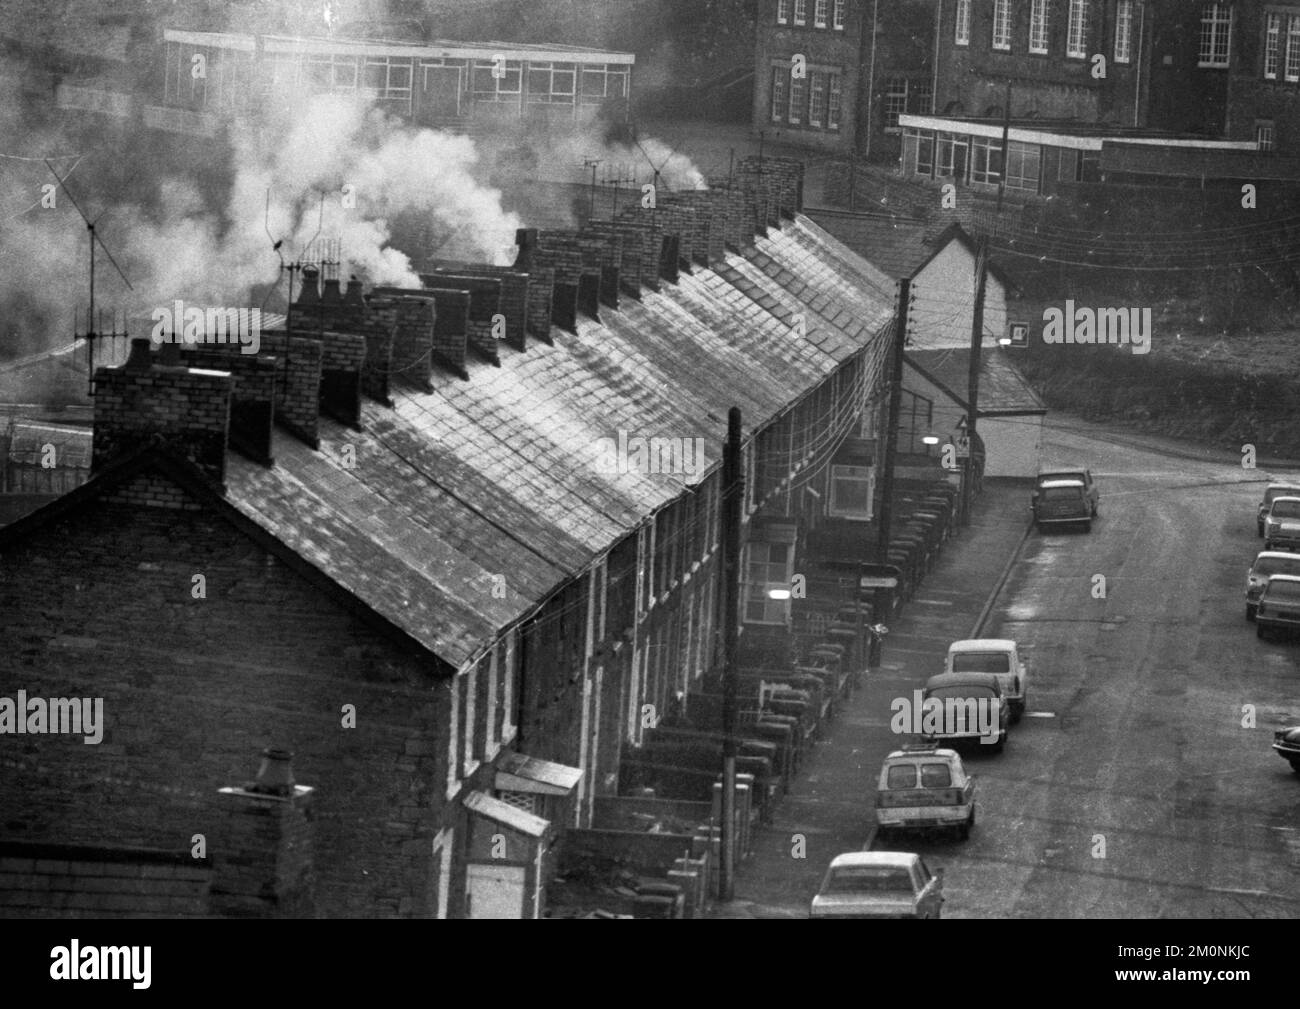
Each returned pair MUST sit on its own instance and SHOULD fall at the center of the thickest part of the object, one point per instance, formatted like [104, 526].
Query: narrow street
[1131, 788]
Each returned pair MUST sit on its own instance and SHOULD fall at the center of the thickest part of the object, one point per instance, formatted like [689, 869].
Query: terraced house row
[385, 558]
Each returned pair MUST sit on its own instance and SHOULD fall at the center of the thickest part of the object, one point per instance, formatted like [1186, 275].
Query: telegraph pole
[891, 427]
[973, 378]
[733, 495]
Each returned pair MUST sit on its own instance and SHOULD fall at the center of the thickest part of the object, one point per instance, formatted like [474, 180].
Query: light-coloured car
[1282, 524]
[879, 884]
[1062, 502]
[998, 656]
[1273, 490]
[1069, 471]
[1278, 608]
[1267, 562]
[924, 787]
[1287, 743]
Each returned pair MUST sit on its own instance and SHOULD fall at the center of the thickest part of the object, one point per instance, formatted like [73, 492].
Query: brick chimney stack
[186, 410]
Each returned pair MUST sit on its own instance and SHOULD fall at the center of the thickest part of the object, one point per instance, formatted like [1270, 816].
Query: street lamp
[778, 594]
[930, 439]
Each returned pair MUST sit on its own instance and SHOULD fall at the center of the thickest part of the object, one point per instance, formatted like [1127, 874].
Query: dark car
[1287, 743]
[1279, 605]
[1062, 502]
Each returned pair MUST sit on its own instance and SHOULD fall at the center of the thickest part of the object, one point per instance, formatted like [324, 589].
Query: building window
[1272, 45]
[895, 101]
[820, 10]
[782, 12]
[1038, 27]
[817, 100]
[1076, 42]
[986, 160]
[603, 82]
[851, 491]
[506, 88]
[1024, 163]
[922, 97]
[769, 568]
[1001, 24]
[833, 102]
[388, 81]
[551, 83]
[924, 163]
[952, 151]
[1123, 31]
[962, 34]
[1293, 48]
[1216, 32]
[800, 12]
[1264, 134]
[1067, 169]
[779, 77]
[797, 89]
[837, 17]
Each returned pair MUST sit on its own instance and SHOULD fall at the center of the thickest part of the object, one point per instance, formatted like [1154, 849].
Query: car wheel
[1094, 509]
[1259, 631]
[1087, 525]
[1250, 612]
[1259, 528]
[1017, 713]
[1295, 766]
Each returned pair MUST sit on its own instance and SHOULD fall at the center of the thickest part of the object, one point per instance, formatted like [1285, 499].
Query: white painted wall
[944, 300]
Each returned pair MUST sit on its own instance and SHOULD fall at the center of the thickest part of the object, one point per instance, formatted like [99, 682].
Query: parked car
[1282, 524]
[967, 694]
[924, 787]
[1279, 605]
[993, 655]
[1267, 562]
[1274, 490]
[1287, 743]
[1062, 501]
[1069, 471]
[879, 884]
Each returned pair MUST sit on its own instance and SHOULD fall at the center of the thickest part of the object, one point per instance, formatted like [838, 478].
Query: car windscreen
[1285, 509]
[981, 662]
[901, 776]
[1282, 590]
[936, 775]
[1277, 565]
[961, 691]
[1062, 493]
[869, 879]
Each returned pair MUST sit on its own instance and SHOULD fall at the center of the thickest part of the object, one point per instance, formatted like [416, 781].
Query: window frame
[1076, 30]
[834, 101]
[1021, 153]
[1272, 48]
[798, 99]
[816, 90]
[783, 9]
[1291, 67]
[857, 475]
[779, 607]
[889, 98]
[821, 13]
[961, 23]
[800, 12]
[1039, 28]
[1266, 127]
[780, 96]
[837, 15]
[1123, 52]
[1001, 38]
[1217, 25]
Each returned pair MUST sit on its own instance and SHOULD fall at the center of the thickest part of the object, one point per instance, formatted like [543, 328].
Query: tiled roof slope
[1003, 389]
[497, 475]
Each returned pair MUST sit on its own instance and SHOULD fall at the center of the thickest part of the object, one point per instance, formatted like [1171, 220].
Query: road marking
[1040, 714]
[935, 602]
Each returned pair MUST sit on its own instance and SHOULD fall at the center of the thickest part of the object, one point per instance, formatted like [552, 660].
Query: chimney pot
[275, 776]
[353, 294]
[330, 293]
[310, 293]
[141, 357]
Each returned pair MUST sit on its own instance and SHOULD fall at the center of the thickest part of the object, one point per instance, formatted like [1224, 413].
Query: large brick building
[846, 93]
[389, 543]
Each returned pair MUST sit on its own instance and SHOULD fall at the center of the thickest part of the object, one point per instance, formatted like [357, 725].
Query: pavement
[828, 808]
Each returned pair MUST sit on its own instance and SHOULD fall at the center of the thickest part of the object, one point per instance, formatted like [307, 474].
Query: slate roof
[898, 246]
[497, 475]
[1003, 389]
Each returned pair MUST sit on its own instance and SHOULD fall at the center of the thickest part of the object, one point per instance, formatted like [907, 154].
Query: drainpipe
[871, 83]
[1141, 39]
[938, 33]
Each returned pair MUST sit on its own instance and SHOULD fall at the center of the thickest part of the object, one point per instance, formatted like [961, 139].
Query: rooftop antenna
[288, 269]
[616, 177]
[94, 332]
